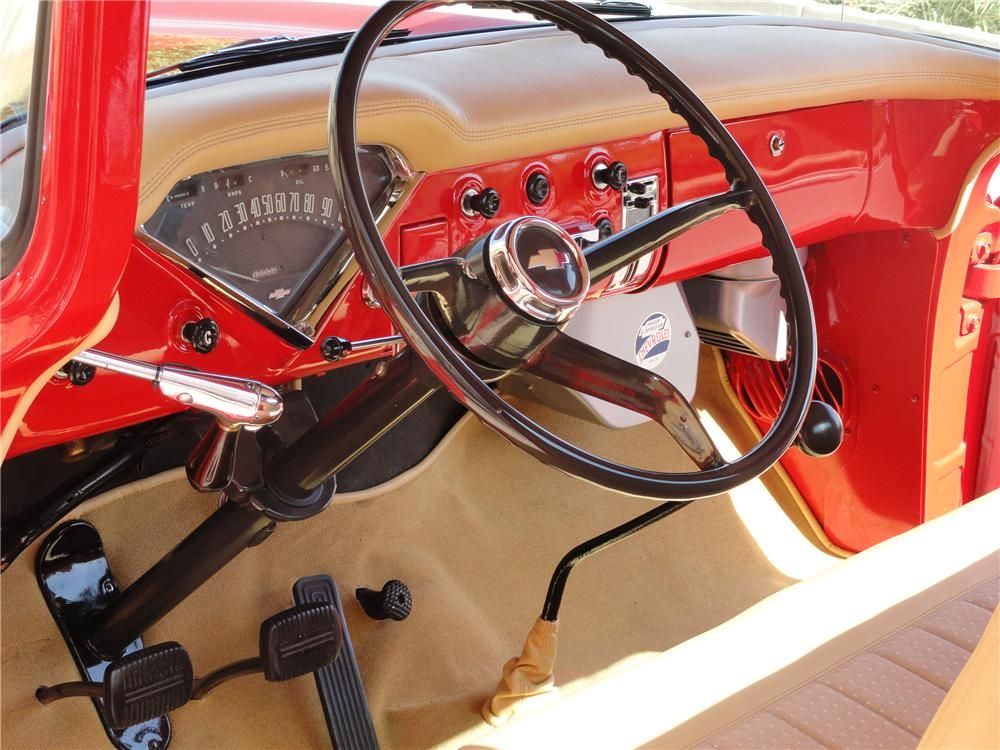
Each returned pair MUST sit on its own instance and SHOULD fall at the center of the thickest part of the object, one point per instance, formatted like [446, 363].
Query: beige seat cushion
[969, 717]
[860, 656]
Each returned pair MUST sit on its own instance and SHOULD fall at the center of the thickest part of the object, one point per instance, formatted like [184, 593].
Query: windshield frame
[15, 242]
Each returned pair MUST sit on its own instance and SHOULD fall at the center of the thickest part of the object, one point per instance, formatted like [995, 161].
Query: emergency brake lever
[236, 404]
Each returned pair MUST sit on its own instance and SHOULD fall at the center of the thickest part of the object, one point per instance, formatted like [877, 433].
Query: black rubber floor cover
[340, 689]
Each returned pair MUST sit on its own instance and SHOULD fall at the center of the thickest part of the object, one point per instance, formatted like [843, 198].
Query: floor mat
[474, 531]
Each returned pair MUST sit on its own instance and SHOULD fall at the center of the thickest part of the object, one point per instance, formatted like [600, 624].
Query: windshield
[180, 29]
[18, 29]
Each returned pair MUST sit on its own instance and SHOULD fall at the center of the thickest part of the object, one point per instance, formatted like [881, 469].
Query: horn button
[539, 269]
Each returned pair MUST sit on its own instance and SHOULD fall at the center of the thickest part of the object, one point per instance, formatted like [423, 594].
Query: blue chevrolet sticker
[652, 341]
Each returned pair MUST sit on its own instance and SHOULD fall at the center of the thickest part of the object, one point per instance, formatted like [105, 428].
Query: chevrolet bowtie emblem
[279, 294]
[550, 259]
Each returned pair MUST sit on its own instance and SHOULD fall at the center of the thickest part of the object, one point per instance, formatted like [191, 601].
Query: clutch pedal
[77, 584]
[139, 687]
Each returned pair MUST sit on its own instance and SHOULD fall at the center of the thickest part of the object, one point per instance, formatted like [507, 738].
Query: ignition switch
[605, 229]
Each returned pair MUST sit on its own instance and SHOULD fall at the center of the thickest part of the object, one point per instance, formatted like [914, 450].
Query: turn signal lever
[236, 403]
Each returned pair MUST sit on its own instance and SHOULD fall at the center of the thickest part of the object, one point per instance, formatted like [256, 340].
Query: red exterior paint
[88, 185]
[171, 20]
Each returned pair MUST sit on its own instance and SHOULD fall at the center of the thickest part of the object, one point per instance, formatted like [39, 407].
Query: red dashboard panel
[815, 163]
[158, 296]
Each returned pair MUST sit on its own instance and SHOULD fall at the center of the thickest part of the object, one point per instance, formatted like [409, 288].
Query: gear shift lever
[236, 403]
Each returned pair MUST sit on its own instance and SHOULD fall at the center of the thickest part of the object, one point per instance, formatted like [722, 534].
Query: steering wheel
[498, 305]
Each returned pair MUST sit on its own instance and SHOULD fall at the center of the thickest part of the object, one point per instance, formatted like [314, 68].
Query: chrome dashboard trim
[299, 326]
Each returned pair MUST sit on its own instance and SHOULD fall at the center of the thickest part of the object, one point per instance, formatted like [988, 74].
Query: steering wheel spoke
[586, 369]
[627, 246]
[440, 276]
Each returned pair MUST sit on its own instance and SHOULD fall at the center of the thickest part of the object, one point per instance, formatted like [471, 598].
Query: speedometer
[269, 233]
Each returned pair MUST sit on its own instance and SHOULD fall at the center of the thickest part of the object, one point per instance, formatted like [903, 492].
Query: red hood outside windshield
[230, 22]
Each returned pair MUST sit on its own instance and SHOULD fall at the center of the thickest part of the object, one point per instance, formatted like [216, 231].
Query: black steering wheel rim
[451, 368]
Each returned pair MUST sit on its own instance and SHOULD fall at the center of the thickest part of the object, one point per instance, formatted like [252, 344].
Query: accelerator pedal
[341, 692]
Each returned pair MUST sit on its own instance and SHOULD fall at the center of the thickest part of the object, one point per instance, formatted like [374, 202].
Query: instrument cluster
[268, 234]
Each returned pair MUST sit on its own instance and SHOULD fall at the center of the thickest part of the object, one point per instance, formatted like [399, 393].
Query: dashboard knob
[335, 348]
[537, 188]
[613, 175]
[486, 202]
[203, 335]
[79, 373]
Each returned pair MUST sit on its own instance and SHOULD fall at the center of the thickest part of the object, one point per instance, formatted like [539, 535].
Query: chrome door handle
[234, 402]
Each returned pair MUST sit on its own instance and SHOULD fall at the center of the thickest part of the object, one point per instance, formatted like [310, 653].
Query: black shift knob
[393, 602]
[822, 431]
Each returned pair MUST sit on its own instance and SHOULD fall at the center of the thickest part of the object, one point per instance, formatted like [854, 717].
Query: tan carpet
[474, 532]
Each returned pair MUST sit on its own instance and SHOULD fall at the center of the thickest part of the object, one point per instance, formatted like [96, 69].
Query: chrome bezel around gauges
[515, 280]
[298, 324]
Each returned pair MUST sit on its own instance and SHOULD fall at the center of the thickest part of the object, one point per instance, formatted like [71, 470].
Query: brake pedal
[295, 642]
[139, 687]
[341, 691]
[299, 640]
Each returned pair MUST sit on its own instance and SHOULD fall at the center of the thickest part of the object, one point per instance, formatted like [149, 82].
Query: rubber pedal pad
[300, 640]
[341, 691]
[146, 684]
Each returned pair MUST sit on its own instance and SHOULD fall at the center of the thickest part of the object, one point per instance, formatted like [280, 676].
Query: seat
[860, 656]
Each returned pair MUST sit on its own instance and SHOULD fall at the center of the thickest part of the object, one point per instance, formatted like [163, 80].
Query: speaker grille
[760, 385]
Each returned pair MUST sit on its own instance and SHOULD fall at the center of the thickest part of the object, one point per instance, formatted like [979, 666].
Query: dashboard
[237, 221]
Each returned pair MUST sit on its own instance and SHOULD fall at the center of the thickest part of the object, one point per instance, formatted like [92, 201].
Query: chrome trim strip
[377, 343]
